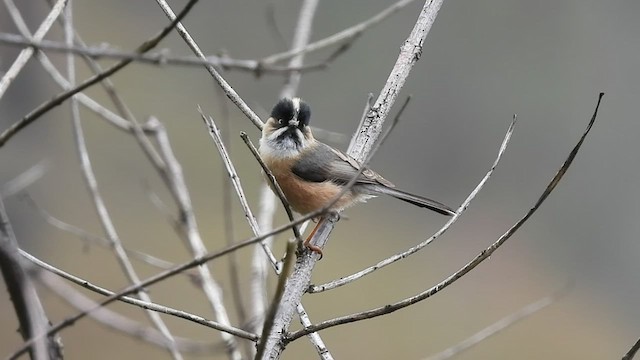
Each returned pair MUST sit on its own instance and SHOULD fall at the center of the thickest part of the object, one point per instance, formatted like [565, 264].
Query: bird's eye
[280, 121]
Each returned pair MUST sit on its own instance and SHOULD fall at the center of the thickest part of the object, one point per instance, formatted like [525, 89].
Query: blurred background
[482, 62]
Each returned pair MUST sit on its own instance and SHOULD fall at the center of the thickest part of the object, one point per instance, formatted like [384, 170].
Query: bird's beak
[294, 122]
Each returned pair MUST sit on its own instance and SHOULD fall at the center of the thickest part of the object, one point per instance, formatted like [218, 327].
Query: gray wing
[323, 163]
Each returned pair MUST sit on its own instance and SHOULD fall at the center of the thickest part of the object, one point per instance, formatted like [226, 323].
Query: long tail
[413, 199]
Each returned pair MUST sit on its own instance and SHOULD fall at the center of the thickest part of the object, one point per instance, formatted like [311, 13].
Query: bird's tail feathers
[413, 199]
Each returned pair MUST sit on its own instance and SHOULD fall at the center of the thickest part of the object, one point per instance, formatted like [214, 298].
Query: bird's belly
[305, 197]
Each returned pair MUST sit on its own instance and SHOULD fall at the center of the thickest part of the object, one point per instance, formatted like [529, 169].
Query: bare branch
[26, 302]
[228, 90]
[137, 302]
[235, 180]
[162, 57]
[485, 254]
[273, 309]
[26, 53]
[345, 35]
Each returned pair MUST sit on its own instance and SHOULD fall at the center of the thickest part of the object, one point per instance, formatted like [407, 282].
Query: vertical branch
[189, 228]
[365, 138]
[29, 310]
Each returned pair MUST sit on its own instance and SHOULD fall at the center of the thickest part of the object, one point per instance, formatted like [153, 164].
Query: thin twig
[500, 325]
[235, 179]
[162, 57]
[228, 218]
[137, 302]
[61, 97]
[390, 260]
[26, 53]
[345, 35]
[228, 90]
[273, 309]
[482, 256]
[26, 302]
[121, 323]
[632, 352]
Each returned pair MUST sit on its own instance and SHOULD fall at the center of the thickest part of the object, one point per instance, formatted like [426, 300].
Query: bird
[311, 173]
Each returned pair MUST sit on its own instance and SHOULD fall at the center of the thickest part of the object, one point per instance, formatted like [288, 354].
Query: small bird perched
[311, 174]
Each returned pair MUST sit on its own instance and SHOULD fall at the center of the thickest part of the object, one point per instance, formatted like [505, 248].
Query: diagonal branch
[26, 302]
[26, 53]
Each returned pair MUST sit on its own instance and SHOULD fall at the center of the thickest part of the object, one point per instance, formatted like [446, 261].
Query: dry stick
[92, 105]
[485, 254]
[342, 36]
[632, 352]
[500, 325]
[162, 57]
[61, 97]
[139, 303]
[135, 128]
[228, 90]
[26, 53]
[121, 323]
[26, 302]
[235, 180]
[365, 138]
[397, 257]
[273, 309]
[107, 223]
[233, 263]
[106, 83]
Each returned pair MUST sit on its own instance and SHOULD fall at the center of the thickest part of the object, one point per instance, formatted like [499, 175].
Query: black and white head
[287, 129]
